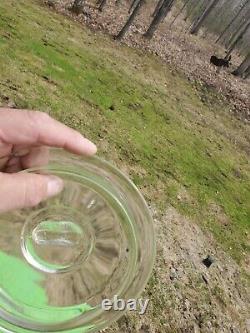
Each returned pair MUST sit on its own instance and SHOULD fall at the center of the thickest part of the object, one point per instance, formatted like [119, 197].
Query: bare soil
[185, 295]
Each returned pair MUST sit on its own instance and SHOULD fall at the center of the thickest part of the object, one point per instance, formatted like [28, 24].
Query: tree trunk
[158, 6]
[181, 10]
[198, 5]
[238, 38]
[77, 6]
[198, 23]
[243, 69]
[247, 73]
[130, 20]
[162, 13]
[232, 21]
[102, 3]
[238, 29]
[133, 5]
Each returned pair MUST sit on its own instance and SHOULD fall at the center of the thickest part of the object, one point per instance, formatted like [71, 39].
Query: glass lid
[61, 259]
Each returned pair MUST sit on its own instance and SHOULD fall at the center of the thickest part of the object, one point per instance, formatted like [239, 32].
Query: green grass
[168, 134]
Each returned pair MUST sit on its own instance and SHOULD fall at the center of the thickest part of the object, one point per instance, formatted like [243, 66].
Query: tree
[132, 6]
[77, 6]
[130, 19]
[101, 4]
[181, 10]
[198, 23]
[244, 69]
[160, 15]
[247, 73]
[158, 6]
[238, 38]
[238, 29]
[195, 8]
[232, 21]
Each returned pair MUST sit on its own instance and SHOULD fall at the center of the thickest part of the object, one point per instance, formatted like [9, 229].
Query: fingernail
[55, 186]
[90, 147]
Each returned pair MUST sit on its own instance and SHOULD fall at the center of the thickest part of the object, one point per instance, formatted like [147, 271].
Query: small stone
[173, 274]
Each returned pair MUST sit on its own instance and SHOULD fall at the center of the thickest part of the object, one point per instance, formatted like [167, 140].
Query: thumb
[22, 190]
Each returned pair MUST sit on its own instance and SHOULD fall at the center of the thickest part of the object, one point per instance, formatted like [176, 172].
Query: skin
[25, 138]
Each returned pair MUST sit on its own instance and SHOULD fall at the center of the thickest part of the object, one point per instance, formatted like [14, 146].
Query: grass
[171, 136]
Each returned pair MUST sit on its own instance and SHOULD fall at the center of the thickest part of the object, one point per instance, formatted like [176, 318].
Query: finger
[24, 159]
[13, 165]
[37, 157]
[3, 162]
[5, 151]
[23, 190]
[20, 150]
[33, 127]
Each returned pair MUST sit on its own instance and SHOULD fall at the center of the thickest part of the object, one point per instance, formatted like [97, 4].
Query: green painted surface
[22, 283]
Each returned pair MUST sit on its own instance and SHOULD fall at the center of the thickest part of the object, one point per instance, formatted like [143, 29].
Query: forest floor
[174, 137]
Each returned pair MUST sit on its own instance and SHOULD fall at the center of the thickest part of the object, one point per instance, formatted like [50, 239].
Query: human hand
[25, 138]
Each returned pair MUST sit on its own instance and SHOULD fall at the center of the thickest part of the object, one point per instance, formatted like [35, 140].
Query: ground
[175, 138]
[173, 44]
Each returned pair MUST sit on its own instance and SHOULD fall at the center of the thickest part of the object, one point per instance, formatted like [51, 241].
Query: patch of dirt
[185, 295]
[218, 213]
[174, 45]
[184, 196]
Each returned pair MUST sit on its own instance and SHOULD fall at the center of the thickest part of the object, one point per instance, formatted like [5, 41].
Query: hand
[25, 138]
